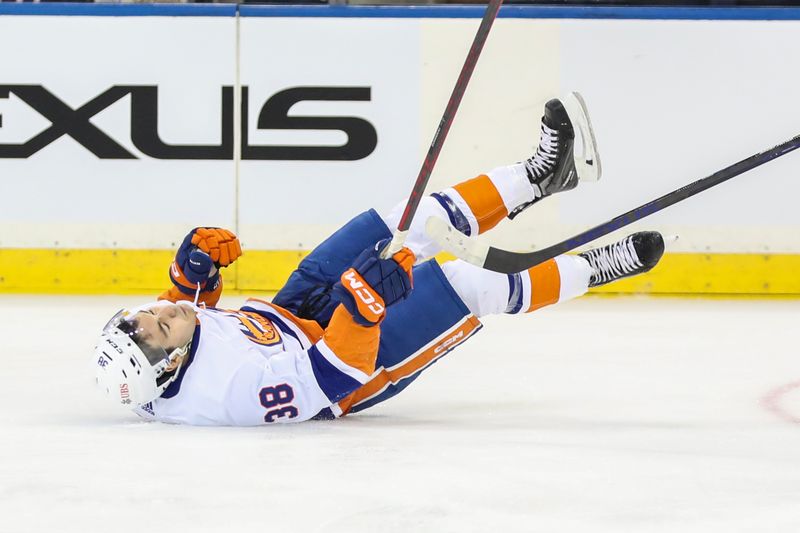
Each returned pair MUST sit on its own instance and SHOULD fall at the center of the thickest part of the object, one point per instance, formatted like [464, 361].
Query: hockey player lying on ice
[346, 331]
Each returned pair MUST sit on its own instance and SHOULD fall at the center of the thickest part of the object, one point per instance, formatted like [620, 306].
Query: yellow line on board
[750, 274]
[145, 271]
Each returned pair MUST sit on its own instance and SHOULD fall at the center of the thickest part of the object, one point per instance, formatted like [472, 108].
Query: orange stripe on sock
[484, 200]
[449, 340]
[545, 284]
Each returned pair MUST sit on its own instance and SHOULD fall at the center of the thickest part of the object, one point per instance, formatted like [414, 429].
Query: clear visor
[124, 326]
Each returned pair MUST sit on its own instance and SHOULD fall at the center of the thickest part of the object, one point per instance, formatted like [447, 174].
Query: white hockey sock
[472, 207]
[485, 292]
[489, 198]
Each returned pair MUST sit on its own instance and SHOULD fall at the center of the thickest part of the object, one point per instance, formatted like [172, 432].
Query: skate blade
[587, 159]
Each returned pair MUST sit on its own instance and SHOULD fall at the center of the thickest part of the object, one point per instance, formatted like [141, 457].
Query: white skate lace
[614, 261]
[545, 157]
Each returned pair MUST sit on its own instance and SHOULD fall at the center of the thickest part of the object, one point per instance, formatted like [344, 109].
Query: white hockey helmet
[129, 371]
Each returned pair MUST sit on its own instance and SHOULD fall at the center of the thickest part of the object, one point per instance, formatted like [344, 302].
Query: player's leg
[416, 333]
[479, 204]
[307, 293]
[557, 280]
[440, 313]
[474, 206]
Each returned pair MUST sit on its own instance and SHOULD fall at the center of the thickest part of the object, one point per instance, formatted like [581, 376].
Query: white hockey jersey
[261, 365]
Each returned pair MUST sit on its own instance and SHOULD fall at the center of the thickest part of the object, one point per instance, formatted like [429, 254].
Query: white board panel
[674, 101]
[294, 203]
[64, 192]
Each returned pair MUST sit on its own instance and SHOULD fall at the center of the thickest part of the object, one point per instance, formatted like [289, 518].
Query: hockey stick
[504, 261]
[424, 175]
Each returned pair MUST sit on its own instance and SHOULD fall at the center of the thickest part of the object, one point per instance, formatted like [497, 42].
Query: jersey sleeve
[296, 386]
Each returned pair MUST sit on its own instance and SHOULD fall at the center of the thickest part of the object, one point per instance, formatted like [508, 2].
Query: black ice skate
[635, 254]
[555, 167]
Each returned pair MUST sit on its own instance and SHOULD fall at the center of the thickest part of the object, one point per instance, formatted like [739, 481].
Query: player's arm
[296, 386]
[345, 357]
[197, 264]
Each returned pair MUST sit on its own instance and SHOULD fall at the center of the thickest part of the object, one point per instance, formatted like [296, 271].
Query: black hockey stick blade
[507, 262]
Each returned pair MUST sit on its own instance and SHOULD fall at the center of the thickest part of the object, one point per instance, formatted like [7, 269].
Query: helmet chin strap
[177, 353]
[182, 351]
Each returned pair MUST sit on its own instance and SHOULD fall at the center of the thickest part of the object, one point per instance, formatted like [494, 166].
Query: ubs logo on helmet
[124, 393]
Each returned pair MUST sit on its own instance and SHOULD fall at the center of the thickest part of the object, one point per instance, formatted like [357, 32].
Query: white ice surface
[601, 415]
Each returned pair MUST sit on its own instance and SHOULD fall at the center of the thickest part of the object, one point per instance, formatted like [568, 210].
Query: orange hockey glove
[200, 255]
[222, 245]
[372, 284]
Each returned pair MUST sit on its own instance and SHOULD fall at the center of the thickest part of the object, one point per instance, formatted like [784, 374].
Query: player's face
[167, 325]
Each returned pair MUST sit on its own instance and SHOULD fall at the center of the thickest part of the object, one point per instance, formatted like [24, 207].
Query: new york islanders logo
[256, 328]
